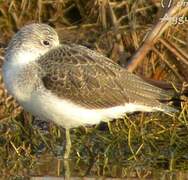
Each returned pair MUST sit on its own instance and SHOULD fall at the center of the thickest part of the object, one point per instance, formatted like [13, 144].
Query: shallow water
[51, 168]
[55, 168]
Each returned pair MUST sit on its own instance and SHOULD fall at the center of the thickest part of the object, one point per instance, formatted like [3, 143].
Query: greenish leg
[68, 144]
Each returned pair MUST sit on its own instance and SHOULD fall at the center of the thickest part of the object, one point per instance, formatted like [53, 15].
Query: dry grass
[134, 146]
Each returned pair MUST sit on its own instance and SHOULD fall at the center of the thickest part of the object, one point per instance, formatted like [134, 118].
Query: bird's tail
[176, 92]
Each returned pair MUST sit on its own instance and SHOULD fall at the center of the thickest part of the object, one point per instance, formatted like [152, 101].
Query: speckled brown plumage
[91, 80]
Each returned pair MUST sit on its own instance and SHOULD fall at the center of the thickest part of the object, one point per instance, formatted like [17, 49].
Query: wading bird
[71, 84]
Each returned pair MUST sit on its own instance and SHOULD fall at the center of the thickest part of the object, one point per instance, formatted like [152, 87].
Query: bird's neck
[17, 73]
[21, 57]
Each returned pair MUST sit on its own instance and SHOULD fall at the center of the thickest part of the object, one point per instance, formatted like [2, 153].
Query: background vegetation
[135, 146]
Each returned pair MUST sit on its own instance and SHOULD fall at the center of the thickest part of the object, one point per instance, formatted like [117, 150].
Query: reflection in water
[67, 170]
[54, 168]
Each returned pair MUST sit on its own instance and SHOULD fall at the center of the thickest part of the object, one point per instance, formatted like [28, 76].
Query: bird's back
[93, 81]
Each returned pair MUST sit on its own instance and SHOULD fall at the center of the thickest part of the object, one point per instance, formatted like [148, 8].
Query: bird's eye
[46, 43]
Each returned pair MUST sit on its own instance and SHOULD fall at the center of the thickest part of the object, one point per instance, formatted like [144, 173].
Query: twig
[152, 37]
[175, 50]
[119, 45]
[103, 14]
[181, 61]
[77, 26]
[168, 64]
[138, 11]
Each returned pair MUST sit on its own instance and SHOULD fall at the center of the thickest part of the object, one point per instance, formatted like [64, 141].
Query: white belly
[69, 115]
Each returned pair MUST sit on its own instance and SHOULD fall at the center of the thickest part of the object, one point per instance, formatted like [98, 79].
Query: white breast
[16, 70]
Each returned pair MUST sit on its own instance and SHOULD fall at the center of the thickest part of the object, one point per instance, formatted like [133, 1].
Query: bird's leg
[67, 144]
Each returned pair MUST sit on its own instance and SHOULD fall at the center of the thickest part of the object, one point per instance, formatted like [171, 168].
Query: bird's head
[30, 42]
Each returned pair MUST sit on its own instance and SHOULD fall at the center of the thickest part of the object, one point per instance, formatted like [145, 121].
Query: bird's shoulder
[75, 55]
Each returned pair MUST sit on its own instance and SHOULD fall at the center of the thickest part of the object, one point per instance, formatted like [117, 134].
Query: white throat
[21, 57]
[14, 70]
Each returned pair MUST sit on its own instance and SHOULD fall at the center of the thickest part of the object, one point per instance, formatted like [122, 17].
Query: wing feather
[91, 80]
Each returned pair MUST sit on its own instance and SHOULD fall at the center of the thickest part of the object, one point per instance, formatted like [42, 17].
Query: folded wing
[91, 80]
